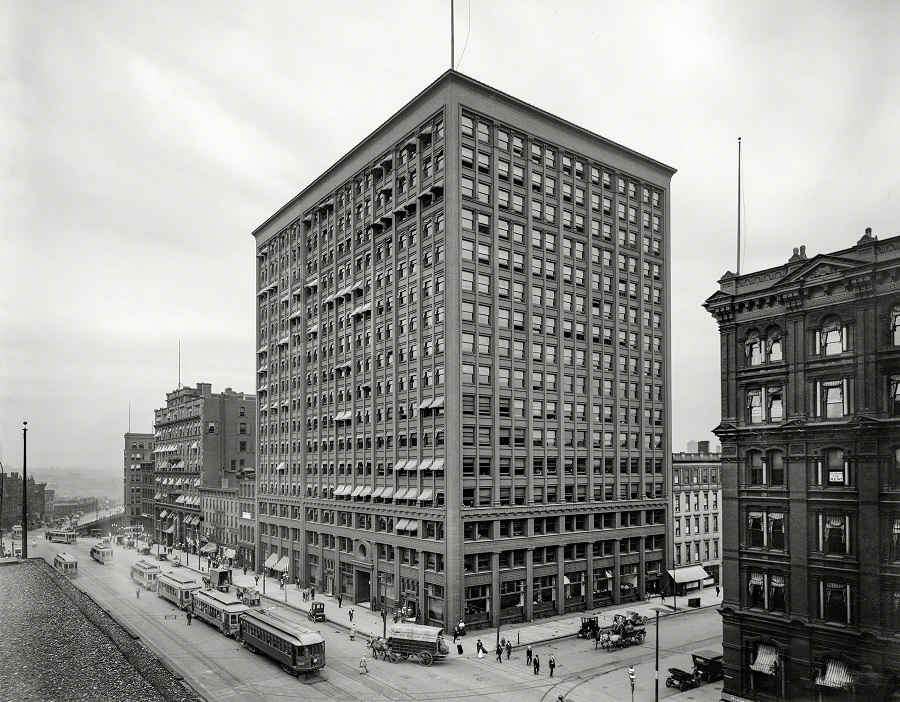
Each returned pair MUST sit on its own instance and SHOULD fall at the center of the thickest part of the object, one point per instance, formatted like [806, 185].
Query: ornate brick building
[811, 475]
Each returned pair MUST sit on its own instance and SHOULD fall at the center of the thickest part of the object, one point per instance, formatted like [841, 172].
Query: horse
[378, 645]
[610, 641]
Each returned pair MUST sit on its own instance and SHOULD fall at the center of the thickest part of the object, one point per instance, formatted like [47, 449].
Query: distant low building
[12, 501]
[697, 499]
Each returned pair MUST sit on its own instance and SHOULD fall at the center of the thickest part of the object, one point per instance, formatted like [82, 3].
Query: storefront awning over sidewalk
[691, 574]
[209, 547]
[271, 560]
[230, 553]
[282, 564]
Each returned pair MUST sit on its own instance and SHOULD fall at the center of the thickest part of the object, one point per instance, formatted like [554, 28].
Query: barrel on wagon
[424, 642]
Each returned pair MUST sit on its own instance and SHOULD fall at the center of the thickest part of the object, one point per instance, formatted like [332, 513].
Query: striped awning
[766, 659]
[837, 675]
[271, 560]
[282, 564]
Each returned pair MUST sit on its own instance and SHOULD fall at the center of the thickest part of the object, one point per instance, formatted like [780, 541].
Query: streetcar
[219, 609]
[298, 650]
[66, 564]
[61, 536]
[102, 553]
[177, 588]
[145, 574]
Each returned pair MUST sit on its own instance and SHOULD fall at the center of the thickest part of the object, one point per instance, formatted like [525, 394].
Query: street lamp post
[656, 693]
[383, 622]
[631, 678]
[24, 489]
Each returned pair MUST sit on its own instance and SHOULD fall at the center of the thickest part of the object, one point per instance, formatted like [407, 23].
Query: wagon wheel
[287, 669]
[425, 658]
[251, 648]
[642, 636]
[394, 657]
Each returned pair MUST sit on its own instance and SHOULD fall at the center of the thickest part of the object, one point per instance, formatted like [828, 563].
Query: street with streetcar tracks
[220, 669]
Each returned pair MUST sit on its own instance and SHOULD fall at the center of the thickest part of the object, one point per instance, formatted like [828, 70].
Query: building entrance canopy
[690, 574]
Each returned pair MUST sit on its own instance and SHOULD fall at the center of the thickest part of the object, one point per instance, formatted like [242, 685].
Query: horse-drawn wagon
[426, 643]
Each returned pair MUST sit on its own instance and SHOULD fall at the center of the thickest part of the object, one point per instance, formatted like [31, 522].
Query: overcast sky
[143, 141]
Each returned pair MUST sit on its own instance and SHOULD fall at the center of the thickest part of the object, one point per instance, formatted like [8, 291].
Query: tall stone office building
[203, 440]
[811, 475]
[463, 366]
[138, 481]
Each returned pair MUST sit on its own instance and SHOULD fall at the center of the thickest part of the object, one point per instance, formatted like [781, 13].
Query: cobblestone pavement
[57, 645]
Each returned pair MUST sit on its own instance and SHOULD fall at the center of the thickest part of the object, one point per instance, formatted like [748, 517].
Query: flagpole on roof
[739, 210]
[452, 37]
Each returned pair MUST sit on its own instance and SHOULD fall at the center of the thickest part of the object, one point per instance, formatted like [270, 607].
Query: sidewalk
[369, 623]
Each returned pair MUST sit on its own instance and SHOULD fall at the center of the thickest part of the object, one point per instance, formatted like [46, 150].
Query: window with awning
[388, 493]
[401, 525]
[283, 564]
[357, 491]
[170, 530]
[837, 675]
[426, 495]
[377, 492]
[766, 659]
[271, 560]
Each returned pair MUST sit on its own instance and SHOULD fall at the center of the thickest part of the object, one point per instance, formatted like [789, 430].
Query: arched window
[753, 348]
[895, 325]
[775, 465]
[755, 468]
[831, 339]
[774, 351]
[833, 470]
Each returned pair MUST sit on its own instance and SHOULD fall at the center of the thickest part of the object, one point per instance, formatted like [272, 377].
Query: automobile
[161, 557]
[316, 612]
[708, 666]
[589, 628]
[682, 679]
[176, 561]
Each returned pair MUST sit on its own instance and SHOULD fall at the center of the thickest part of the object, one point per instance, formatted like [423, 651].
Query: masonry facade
[138, 480]
[203, 439]
[811, 475]
[696, 526]
[463, 367]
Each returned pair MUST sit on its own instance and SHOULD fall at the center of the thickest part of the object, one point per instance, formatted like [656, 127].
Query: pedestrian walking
[508, 649]
[364, 664]
[499, 653]
[353, 632]
[256, 580]
[350, 613]
[245, 570]
[459, 648]
[537, 664]
[479, 647]
[717, 590]
[528, 655]
[189, 616]
[137, 593]
[551, 663]
[312, 593]
[340, 601]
